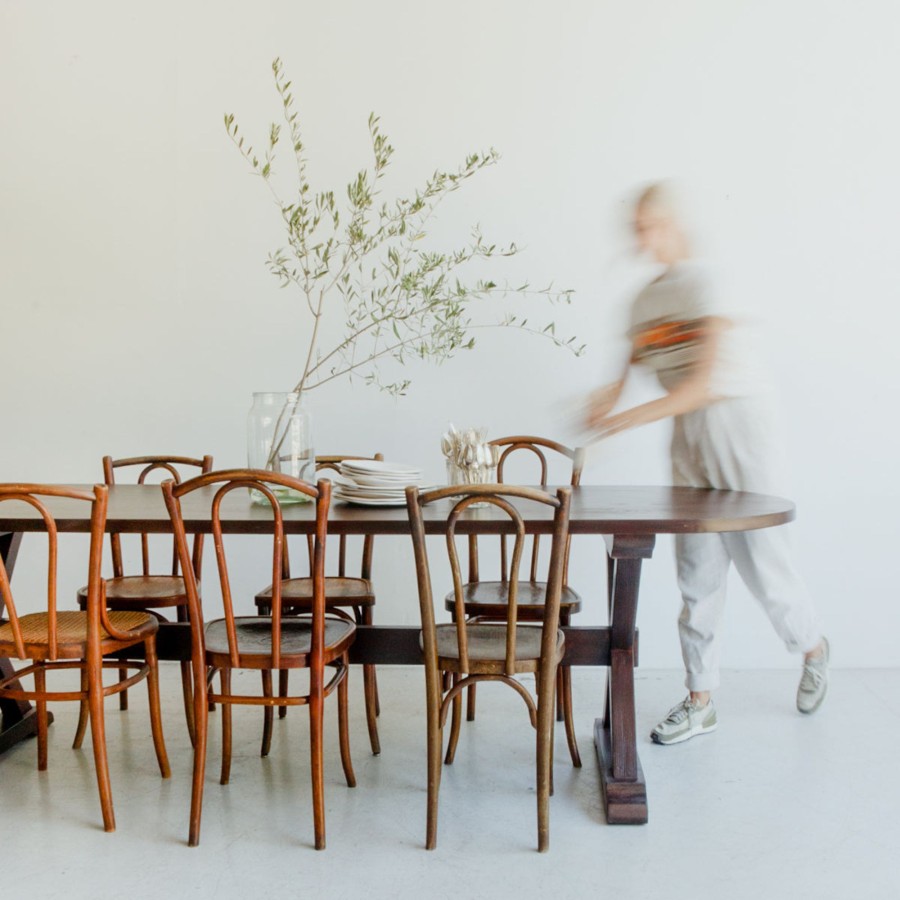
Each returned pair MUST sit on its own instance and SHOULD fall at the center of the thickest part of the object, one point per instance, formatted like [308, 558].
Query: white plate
[384, 480]
[372, 501]
[376, 467]
[373, 498]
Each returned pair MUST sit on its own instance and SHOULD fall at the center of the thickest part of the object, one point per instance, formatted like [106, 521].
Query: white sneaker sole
[693, 732]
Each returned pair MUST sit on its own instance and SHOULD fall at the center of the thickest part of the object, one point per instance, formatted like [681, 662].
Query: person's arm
[693, 392]
[603, 400]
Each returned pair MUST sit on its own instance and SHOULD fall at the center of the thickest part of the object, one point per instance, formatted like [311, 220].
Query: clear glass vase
[483, 474]
[279, 438]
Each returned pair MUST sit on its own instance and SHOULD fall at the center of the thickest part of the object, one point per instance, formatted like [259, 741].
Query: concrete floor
[772, 805]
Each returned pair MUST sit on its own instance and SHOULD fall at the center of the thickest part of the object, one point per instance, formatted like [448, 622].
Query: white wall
[137, 314]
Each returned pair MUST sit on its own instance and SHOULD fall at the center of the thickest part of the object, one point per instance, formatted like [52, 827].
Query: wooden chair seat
[72, 633]
[254, 641]
[489, 599]
[487, 647]
[142, 591]
[297, 593]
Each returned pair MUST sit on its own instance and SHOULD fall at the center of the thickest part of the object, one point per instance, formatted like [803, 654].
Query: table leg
[19, 717]
[615, 737]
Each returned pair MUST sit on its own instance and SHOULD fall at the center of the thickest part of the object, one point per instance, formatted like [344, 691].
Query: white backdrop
[138, 316]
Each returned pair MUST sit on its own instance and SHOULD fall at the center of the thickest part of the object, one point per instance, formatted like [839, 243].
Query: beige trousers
[733, 444]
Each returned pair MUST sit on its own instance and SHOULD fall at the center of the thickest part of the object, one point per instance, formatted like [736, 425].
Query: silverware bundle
[470, 458]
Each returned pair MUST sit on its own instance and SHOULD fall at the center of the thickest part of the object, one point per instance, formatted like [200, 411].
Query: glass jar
[475, 474]
[279, 438]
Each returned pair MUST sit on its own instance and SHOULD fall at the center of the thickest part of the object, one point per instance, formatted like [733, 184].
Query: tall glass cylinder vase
[279, 438]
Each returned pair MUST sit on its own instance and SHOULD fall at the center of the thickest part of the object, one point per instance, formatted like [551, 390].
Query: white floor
[773, 805]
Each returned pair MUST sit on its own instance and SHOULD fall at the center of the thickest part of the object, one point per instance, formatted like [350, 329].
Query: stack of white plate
[373, 483]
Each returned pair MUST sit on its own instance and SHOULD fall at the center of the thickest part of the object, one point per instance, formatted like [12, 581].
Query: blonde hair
[662, 196]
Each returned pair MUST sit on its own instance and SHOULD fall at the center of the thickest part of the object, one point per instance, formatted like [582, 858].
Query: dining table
[626, 521]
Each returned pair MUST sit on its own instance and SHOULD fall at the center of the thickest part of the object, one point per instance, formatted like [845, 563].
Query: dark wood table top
[620, 510]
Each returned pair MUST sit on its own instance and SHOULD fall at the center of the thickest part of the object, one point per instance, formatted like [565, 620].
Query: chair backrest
[507, 500]
[154, 468]
[262, 482]
[534, 450]
[35, 495]
[333, 464]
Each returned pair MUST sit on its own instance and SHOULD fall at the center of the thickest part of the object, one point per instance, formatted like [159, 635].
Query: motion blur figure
[724, 436]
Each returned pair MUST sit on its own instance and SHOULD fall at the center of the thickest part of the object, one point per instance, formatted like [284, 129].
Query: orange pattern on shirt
[667, 335]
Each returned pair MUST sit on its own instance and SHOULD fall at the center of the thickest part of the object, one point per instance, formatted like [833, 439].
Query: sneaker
[684, 721]
[814, 682]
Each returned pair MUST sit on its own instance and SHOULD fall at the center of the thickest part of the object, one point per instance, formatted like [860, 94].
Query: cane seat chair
[150, 592]
[266, 643]
[345, 596]
[486, 600]
[472, 651]
[56, 640]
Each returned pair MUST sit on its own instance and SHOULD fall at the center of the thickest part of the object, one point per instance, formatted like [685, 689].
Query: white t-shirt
[667, 322]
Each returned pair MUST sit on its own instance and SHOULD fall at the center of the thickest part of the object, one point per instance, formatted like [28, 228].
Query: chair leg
[317, 766]
[123, 696]
[187, 692]
[268, 712]
[155, 709]
[560, 696]
[98, 738]
[282, 690]
[201, 722]
[83, 716]
[40, 683]
[470, 703]
[225, 680]
[564, 678]
[456, 719]
[343, 703]
[435, 740]
[544, 753]
[370, 690]
[209, 675]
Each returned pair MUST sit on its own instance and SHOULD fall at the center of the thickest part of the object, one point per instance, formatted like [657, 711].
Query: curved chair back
[503, 499]
[535, 450]
[332, 463]
[153, 468]
[210, 505]
[35, 496]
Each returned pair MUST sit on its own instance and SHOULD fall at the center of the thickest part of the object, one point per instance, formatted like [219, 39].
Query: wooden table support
[615, 735]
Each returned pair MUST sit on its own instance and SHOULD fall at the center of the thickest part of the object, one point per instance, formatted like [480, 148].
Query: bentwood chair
[266, 643]
[52, 641]
[345, 596]
[487, 600]
[150, 592]
[474, 651]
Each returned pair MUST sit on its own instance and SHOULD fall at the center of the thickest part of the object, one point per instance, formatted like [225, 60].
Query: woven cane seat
[71, 630]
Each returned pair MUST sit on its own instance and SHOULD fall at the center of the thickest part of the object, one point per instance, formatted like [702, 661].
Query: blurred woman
[723, 437]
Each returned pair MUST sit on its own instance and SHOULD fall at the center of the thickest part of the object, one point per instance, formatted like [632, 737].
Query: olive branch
[401, 301]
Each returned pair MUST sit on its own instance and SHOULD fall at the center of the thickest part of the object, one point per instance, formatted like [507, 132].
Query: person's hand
[600, 402]
[629, 418]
